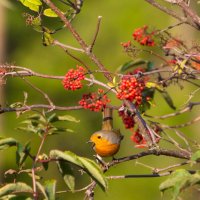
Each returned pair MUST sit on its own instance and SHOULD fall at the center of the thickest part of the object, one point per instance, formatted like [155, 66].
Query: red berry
[73, 78]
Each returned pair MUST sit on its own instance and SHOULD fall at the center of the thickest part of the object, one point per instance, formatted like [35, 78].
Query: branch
[172, 13]
[82, 43]
[156, 152]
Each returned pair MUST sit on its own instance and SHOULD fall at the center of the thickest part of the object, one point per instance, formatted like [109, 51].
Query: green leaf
[94, 171]
[67, 155]
[32, 4]
[130, 64]
[50, 189]
[87, 165]
[22, 153]
[67, 174]
[68, 118]
[179, 180]
[42, 189]
[168, 99]
[7, 142]
[15, 197]
[195, 156]
[15, 188]
[49, 13]
[153, 85]
[47, 38]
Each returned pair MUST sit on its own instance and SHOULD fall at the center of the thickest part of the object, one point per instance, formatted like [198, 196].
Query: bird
[106, 142]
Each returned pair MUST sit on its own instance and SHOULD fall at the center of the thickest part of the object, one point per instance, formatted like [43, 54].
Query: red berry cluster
[73, 78]
[143, 37]
[94, 101]
[131, 89]
[138, 139]
[127, 119]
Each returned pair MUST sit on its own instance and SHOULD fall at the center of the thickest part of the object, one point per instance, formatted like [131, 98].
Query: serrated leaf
[7, 142]
[50, 189]
[32, 4]
[49, 13]
[68, 118]
[67, 155]
[179, 180]
[87, 165]
[67, 174]
[195, 156]
[94, 171]
[130, 64]
[15, 188]
[168, 99]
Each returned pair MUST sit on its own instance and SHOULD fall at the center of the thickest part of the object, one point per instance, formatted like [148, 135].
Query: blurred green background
[24, 48]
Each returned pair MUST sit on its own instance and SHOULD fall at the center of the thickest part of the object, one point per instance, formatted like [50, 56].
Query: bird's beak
[92, 143]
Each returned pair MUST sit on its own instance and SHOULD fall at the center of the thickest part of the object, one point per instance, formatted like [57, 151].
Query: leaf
[168, 99]
[195, 156]
[94, 171]
[88, 165]
[67, 174]
[67, 155]
[50, 189]
[15, 197]
[49, 13]
[15, 188]
[68, 118]
[179, 180]
[32, 4]
[130, 64]
[7, 142]
[47, 38]
[153, 85]
[42, 189]
[22, 153]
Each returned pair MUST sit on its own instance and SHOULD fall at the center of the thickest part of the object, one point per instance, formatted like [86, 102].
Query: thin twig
[96, 33]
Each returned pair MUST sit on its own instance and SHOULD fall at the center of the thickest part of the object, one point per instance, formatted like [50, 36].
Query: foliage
[134, 86]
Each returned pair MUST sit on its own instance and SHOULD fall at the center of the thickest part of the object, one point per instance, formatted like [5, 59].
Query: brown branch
[96, 33]
[82, 43]
[171, 13]
[36, 106]
[185, 109]
[194, 17]
[156, 152]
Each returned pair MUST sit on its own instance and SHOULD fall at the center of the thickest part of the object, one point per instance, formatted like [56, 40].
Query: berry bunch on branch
[134, 91]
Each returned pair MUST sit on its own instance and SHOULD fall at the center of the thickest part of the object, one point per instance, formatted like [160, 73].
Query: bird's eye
[99, 137]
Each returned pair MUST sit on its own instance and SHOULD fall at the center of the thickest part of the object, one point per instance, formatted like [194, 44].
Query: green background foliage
[24, 48]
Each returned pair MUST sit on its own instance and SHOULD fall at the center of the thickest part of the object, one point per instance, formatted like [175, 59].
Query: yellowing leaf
[32, 4]
[153, 85]
[49, 13]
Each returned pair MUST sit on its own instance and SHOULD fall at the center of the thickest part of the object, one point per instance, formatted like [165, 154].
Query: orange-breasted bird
[106, 142]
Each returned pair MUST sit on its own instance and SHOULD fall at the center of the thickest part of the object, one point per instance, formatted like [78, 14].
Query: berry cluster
[138, 139]
[73, 78]
[131, 89]
[94, 101]
[143, 37]
[127, 119]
